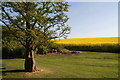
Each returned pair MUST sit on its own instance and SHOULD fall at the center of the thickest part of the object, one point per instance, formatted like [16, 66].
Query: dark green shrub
[19, 52]
[42, 50]
[58, 47]
[7, 53]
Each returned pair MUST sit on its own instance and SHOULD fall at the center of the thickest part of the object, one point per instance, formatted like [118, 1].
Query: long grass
[106, 44]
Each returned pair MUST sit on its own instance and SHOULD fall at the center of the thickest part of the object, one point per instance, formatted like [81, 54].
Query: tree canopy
[41, 20]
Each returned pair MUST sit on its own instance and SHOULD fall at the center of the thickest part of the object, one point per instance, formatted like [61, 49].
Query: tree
[34, 24]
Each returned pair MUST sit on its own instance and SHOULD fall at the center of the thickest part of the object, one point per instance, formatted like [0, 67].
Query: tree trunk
[30, 65]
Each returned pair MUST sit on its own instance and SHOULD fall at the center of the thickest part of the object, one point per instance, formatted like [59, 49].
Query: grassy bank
[84, 65]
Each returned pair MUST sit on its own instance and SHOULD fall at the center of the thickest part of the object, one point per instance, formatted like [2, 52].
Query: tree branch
[11, 19]
[19, 10]
[34, 24]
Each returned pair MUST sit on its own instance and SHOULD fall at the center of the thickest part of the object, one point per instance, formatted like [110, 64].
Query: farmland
[105, 44]
[88, 41]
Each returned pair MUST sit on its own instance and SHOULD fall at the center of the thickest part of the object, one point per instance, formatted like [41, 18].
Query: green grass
[85, 65]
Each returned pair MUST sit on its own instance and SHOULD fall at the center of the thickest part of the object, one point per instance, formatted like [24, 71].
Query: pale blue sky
[93, 19]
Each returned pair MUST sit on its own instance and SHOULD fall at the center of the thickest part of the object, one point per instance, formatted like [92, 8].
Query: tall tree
[35, 23]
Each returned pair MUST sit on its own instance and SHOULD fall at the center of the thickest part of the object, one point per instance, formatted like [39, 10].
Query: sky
[93, 19]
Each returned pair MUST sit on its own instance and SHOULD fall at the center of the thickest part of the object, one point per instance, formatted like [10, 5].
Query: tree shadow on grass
[11, 71]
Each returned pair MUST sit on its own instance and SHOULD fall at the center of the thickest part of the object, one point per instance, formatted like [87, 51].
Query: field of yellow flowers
[109, 44]
[88, 41]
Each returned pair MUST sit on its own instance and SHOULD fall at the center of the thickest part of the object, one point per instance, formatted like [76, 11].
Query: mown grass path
[84, 65]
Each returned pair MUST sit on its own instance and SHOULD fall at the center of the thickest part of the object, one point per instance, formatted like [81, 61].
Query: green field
[84, 65]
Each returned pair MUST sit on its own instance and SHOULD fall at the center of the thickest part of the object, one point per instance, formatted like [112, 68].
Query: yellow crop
[88, 41]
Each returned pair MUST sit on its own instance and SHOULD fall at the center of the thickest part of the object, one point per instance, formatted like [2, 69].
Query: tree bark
[30, 65]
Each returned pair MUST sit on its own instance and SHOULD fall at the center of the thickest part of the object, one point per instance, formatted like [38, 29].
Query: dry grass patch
[39, 71]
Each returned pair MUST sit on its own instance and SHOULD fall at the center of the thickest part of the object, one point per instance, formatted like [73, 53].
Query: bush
[58, 47]
[19, 52]
[8, 53]
[42, 50]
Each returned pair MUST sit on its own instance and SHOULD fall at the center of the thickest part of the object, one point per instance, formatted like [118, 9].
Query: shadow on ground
[11, 71]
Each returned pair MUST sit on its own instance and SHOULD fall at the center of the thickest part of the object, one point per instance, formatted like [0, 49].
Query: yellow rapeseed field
[88, 41]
